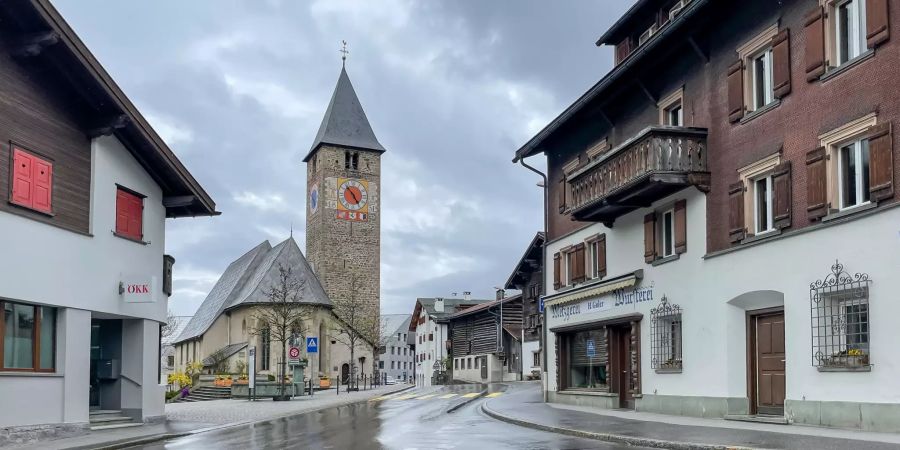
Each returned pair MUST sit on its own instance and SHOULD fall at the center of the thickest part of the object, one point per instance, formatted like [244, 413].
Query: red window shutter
[649, 237]
[781, 67]
[42, 193]
[122, 212]
[736, 225]
[136, 220]
[815, 44]
[781, 195]
[816, 184]
[736, 91]
[556, 271]
[578, 274]
[623, 49]
[129, 214]
[23, 178]
[881, 162]
[601, 256]
[878, 28]
[681, 226]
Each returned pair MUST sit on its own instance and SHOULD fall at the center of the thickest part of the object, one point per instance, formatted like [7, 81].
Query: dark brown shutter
[736, 91]
[815, 44]
[562, 195]
[623, 49]
[878, 28]
[781, 195]
[781, 63]
[556, 266]
[601, 256]
[681, 226]
[736, 225]
[650, 237]
[816, 184]
[881, 162]
[578, 274]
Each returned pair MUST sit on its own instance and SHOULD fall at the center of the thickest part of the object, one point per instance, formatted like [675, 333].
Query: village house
[722, 216]
[486, 341]
[528, 277]
[84, 281]
[432, 337]
[396, 359]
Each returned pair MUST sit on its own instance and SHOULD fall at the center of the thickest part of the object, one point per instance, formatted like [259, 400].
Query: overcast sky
[451, 88]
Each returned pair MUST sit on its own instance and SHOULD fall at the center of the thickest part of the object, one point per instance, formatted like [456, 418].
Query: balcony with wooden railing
[657, 162]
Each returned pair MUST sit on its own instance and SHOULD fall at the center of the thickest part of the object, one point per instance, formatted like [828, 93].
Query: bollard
[338, 390]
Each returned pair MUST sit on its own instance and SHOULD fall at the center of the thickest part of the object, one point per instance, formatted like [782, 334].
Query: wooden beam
[108, 126]
[34, 44]
[699, 51]
[178, 201]
[646, 91]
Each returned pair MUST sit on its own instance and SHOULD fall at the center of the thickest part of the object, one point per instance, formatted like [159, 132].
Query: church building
[341, 269]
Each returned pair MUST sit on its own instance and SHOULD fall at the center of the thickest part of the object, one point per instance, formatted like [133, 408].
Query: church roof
[247, 279]
[345, 122]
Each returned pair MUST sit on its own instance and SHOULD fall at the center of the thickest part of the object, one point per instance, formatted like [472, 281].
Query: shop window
[28, 337]
[586, 358]
[840, 320]
[129, 214]
[665, 349]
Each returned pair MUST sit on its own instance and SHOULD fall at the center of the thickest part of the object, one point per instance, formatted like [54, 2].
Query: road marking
[405, 397]
[448, 396]
[472, 394]
[426, 397]
[494, 394]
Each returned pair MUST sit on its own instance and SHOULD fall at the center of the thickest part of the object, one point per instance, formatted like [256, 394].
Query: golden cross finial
[344, 52]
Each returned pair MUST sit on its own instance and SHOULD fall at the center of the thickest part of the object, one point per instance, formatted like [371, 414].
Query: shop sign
[138, 289]
[618, 299]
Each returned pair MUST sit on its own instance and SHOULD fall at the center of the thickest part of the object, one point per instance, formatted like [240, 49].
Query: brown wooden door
[770, 359]
[621, 365]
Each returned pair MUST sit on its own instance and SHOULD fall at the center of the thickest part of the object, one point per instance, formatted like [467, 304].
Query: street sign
[436, 365]
[294, 356]
[541, 305]
[251, 367]
[312, 344]
[591, 350]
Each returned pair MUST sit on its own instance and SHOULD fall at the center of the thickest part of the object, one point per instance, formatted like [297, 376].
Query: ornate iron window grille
[839, 306]
[665, 347]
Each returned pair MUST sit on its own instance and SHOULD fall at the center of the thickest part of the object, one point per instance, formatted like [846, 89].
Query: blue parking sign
[541, 305]
[312, 344]
[591, 350]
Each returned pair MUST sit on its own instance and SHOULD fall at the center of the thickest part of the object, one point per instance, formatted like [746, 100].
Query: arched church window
[346, 160]
[354, 164]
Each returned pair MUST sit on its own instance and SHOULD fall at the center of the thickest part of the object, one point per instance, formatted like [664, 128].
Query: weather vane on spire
[344, 53]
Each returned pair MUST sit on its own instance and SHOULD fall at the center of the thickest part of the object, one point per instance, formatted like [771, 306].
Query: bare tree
[359, 324]
[168, 329]
[282, 315]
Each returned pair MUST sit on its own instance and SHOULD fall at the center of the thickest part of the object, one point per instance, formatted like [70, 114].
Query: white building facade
[84, 296]
[431, 337]
[397, 358]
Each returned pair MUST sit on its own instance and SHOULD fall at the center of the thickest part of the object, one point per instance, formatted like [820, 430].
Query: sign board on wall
[617, 300]
[138, 289]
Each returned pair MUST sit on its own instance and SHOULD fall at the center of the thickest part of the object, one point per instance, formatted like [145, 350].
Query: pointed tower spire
[345, 123]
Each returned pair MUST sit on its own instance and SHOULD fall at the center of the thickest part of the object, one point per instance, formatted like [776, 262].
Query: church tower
[343, 216]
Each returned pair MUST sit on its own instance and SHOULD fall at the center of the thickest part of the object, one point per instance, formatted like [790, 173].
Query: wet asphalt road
[388, 424]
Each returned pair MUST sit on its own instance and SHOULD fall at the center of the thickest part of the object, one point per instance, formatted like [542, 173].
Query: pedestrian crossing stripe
[494, 394]
[471, 394]
[405, 397]
[448, 396]
[426, 397]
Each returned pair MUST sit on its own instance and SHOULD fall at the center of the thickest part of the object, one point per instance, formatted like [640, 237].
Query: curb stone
[166, 436]
[609, 437]
[467, 401]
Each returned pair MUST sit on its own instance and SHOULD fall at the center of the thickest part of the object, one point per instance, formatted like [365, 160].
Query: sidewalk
[192, 418]
[522, 405]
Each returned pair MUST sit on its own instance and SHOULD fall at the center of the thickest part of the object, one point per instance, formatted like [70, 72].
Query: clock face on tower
[352, 195]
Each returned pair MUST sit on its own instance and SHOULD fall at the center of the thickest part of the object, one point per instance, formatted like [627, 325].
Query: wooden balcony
[655, 163]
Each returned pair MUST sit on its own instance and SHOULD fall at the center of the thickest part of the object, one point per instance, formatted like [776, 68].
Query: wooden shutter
[736, 225]
[781, 63]
[816, 184]
[815, 44]
[736, 91]
[129, 214]
[878, 28]
[23, 181]
[42, 189]
[562, 195]
[681, 226]
[556, 273]
[881, 162]
[578, 274]
[601, 256]
[623, 49]
[650, 237]
[781, 195]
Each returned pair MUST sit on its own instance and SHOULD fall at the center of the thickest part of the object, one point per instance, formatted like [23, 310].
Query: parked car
[390, 380]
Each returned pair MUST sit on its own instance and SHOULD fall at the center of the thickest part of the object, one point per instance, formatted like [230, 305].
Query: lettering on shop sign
[616, 299]
[138, 290]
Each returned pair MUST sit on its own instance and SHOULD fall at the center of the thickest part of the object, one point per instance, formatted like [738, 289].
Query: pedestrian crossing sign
[312, 344]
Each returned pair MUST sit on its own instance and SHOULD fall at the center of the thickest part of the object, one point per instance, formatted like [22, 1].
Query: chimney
[439, 305]
[467, 295]
[501, 294]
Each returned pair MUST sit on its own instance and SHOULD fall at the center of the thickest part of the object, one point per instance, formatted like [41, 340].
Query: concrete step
[116, 425]
[110, 419]
[103, 412]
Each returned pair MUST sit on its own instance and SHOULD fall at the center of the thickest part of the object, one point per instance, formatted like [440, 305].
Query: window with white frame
[840, 319]
[593, 259]
[671, 109]
[667, 233]
[853, 174]
[761, 79]
[666, 333]
[850, 29]
[568, 268]
[762, 204]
